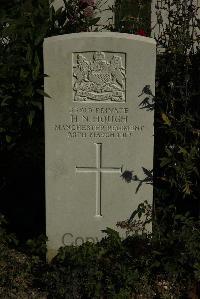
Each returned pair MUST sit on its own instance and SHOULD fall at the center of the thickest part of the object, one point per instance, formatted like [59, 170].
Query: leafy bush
[103, 270]
[23, 29]
[133, 16]
[16, 268]
[23, 26]
[141, 266]
[176, 155]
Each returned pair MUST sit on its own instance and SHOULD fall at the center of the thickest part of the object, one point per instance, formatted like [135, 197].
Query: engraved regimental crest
[99, 78]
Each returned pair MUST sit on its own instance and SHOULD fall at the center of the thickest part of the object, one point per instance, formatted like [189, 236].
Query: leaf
[30, 117]
[182, 151]
[43, 93]
[28, 91]
[147, 90]
[144, 102]
[111, 233]
[156, 264]
[29, 54]
[36, 69]
[187, 190]
[37, 104]
[23, 74]
[166, 119]
[164, 162]
[195, 169]
[196, 131]
[138, 187]
[8, 139]
[3, 103]
[133, 215]
[94, 21]
[148, 172]
[39, 39]
[58, 11]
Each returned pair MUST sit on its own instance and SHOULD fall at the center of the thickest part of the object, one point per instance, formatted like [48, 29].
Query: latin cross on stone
[99, 170]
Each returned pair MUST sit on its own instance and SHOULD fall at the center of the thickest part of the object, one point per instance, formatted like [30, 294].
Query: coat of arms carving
[99, 79]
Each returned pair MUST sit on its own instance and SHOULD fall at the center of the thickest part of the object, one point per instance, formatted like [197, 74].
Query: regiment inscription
[106, 122]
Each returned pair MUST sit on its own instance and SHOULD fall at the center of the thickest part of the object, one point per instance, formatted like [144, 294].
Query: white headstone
[95, 129]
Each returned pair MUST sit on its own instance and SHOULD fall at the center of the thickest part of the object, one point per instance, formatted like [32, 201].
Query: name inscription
[98, 122]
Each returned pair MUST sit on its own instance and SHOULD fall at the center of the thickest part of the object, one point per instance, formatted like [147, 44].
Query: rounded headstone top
[101, 35]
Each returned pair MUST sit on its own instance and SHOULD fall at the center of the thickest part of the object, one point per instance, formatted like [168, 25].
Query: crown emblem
[99, 79]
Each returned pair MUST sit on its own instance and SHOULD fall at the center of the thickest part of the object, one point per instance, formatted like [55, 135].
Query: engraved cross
[99, 170]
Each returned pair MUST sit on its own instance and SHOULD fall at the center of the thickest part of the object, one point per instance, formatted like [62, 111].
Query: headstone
[95, 130]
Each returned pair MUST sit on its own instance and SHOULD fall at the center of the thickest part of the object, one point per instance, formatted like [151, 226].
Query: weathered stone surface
[95, 130]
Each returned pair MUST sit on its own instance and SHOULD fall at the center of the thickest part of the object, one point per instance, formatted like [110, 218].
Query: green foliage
[141, 265]
[176, 166]
[23, 28]
[158, 265]
[16, 268]
[15, 274]
[102, 270]
[5, 238]
[37, 246]
[133, 16]
[21, 68]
